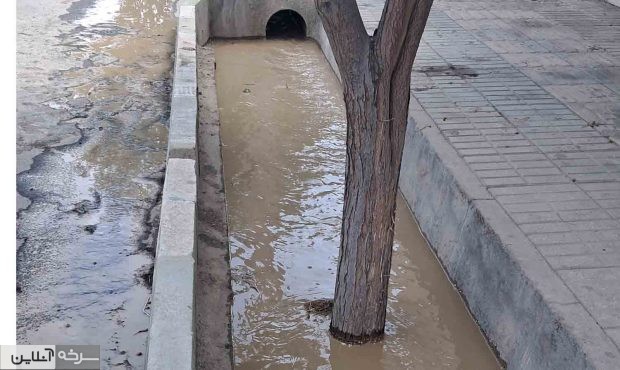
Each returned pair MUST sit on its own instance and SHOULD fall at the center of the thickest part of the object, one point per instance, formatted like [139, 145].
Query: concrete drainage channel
[494, 266]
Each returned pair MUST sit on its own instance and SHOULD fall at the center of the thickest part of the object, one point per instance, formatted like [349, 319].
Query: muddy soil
[93, 84]
[283, 133]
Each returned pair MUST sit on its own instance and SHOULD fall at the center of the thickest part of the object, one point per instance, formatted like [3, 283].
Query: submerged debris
[86, 206]
[319, 306]
[82, 207]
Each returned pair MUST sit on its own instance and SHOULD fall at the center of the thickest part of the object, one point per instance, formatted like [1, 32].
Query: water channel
[283, 133]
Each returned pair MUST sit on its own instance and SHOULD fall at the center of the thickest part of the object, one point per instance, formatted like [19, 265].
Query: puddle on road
[283, 135]
[93, 82]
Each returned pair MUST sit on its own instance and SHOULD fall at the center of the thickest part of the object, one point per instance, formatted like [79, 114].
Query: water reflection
[146, 14]
[104, 11]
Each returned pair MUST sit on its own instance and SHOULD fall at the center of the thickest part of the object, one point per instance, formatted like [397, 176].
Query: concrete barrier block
[185, 37]
[186, 10]
[185, 76]
[177, 228]
[189, 3]
[171, 335]
[181, 147]
[180, 181]
[183, 119]
[171, 343]
[186, 59]
[184, 104]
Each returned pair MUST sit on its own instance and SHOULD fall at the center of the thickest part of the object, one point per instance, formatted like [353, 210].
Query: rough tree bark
[376, 74]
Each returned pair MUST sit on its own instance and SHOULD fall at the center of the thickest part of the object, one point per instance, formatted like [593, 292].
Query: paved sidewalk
[528, 93]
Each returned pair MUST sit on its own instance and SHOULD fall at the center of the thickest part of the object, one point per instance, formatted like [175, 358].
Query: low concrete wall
[171, 335]
[487, 257]
[248, 18]
[171, 343]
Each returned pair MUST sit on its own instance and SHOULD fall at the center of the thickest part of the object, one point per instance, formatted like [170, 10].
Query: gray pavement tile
[598, 290]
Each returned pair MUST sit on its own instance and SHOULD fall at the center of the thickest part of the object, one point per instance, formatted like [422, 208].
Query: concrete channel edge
[528, 314]
[171, 341]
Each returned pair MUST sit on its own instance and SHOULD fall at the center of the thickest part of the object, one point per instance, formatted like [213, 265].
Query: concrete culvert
[286, 24]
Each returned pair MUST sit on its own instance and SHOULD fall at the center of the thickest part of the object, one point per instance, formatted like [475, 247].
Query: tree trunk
[376, 73]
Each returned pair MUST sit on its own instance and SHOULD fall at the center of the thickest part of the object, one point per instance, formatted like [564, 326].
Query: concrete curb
[184, 106]
[525, 310]
[171, 343]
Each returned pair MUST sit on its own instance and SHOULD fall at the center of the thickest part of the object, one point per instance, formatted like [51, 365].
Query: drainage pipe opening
[286, 24]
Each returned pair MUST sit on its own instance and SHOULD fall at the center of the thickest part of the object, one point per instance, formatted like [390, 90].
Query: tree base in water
[356, 339]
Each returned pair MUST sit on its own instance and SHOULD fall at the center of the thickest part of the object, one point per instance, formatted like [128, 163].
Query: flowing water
[283, 133]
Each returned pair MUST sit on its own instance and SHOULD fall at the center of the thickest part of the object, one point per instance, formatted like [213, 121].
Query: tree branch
[400, 82]
[346, 33]
[392, 32]
[415, 30]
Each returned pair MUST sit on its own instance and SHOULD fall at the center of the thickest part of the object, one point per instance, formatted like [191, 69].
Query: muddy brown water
[283, 132]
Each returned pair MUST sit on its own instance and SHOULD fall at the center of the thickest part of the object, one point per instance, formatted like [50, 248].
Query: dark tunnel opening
[286, 24]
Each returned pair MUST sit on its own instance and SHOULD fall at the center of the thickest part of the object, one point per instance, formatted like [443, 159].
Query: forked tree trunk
[376, 72]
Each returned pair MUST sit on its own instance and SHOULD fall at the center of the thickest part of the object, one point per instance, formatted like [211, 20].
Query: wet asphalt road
[93, 83]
